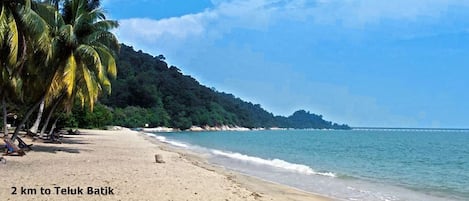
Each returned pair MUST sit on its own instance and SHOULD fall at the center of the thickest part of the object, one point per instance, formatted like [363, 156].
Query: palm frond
[13, 41]
[67, 33]
[90, 56]
[70, 74]
[91, 86]
[109, 61]
[106, 25]
[56, 87]
[103, 37]
[36, 26]
[3, 26]
[97, 14]
[47, 13]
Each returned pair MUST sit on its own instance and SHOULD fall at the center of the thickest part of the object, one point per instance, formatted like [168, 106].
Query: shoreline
[124, 161]
[244, 163]
[206, 129]
[251, 182]
[163, 129]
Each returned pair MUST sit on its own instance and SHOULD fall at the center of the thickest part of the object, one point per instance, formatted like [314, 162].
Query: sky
[400, 63]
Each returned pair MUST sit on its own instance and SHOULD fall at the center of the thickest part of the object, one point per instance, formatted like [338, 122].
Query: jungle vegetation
[148, 91]
[59, 59]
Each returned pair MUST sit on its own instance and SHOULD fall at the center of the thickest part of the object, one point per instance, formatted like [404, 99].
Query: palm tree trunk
[5, 128]
[53, 127]
[25, 118]
[35, 126]
[51, 112]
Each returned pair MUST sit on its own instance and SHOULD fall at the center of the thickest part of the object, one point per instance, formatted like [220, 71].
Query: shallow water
[348, 165]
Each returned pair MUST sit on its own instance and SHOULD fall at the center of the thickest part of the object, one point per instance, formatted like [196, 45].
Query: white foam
[174, 143]
[278, 163]
[178, 144]
[160, 138]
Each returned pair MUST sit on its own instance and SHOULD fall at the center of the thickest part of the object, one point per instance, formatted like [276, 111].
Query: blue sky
[401, 63]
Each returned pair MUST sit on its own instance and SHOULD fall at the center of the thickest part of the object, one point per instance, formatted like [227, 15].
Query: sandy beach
[120, 165]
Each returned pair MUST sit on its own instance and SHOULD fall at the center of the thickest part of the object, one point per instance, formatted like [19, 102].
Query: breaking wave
[276, 163]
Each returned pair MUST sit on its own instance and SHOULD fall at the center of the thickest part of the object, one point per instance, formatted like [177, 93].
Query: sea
[358, 164]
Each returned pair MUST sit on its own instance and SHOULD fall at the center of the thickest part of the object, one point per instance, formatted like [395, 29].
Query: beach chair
[11, 148]
[23, 145]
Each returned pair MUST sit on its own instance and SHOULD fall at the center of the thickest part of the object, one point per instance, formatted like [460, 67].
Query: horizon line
[404, 128]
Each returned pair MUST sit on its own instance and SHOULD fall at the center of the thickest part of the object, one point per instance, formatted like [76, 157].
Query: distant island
[149, 93]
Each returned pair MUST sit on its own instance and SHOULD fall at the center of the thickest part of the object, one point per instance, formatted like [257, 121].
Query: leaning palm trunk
[51, 132]
[25, 118]
[35, 126]
[5, 123]
[51, 112]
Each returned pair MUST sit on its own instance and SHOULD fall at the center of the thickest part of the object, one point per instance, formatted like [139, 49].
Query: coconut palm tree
[87, 54]
[22, 34]
[88, 50]
[79, 47]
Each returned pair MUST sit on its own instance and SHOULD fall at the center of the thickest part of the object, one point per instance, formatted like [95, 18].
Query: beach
[120, 165]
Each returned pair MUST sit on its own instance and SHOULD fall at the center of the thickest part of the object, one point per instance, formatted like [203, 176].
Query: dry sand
[124, 161]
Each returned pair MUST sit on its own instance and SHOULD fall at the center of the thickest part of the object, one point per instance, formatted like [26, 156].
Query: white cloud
[226, 15]
[260, 14]
[177, 27]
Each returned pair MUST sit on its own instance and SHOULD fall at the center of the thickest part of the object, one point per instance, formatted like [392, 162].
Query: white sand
[125, 162]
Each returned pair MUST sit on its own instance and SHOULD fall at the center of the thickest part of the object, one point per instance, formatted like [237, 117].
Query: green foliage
[69, 121]
[147, 91]
[100, 117]
[134, 116]
[304, 119]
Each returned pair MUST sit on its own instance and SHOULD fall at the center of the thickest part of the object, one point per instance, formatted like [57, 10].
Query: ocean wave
[277, 163]
[174, 143]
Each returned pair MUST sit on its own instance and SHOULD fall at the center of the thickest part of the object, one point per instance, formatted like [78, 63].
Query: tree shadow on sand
[54, 149]
[60, 145]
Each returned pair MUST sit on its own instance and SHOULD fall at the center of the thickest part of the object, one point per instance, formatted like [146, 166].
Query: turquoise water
[347, 165]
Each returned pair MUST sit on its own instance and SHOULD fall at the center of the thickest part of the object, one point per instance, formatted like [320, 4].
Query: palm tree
[77, 45]
[87, 50]
[22, 33]
[87, 54]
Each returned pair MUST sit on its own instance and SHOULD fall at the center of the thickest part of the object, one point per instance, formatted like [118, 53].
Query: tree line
[54, 54]
[148, 91]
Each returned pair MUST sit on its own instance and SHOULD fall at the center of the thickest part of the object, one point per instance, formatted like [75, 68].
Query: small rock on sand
[159, 158]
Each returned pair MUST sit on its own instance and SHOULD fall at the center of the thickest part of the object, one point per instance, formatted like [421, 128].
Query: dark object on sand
[54, 138]
[23, 145]
[12, 148]
[31, 134]
[73, 132]
[3, 160]
[159, 158]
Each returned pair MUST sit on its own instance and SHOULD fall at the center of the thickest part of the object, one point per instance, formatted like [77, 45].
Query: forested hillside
[148, 91]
